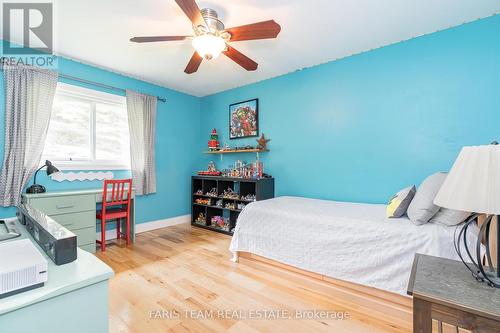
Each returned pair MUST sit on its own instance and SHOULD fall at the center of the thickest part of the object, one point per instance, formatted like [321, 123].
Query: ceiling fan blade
[190, 8]
[240, 59]
[193, 64]
[260, 30]
[157, 39]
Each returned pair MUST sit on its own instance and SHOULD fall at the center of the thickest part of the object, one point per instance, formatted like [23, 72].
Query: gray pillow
[449, 217]
[399, 203]
[422, 207]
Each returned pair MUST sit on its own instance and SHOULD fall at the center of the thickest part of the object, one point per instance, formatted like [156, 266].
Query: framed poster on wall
[244, 119]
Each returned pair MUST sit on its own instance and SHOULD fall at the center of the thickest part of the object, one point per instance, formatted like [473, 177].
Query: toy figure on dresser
[213, 143]
[230, 194]
[212, 193]
[211, 170]
[201, 219]
[219, 203]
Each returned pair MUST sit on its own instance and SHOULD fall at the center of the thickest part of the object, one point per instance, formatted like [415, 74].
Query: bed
[350, 242]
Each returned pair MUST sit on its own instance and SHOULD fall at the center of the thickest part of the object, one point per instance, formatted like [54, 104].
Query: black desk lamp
[36, 188]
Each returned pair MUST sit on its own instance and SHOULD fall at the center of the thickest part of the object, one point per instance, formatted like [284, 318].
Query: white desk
[74, 299]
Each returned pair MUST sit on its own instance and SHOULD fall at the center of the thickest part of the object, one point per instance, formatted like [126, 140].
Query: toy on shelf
[226, 147]
[249, 197]
[262, 142]
[230, 205]
[212, 193]
[217, 221]
[220, 222]
[199, 192]
[242, 169]
[219, 203]
[213, 143]
[211, 170]
[201, 219]
[241, 206]
[230, 194]
[203, 201]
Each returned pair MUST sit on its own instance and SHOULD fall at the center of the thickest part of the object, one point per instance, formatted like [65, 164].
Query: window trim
[94, 96]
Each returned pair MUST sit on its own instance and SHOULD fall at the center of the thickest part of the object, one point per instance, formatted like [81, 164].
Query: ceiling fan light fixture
[209, 46]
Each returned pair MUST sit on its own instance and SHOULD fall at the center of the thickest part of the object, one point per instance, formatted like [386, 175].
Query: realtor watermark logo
[28, 33]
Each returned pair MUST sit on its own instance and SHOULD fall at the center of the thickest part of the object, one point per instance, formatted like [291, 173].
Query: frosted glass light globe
[208, 46]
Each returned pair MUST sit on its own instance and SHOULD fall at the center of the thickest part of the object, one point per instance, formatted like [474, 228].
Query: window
[88, 130]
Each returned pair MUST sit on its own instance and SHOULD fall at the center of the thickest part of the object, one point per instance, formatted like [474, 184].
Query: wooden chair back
[116, 192]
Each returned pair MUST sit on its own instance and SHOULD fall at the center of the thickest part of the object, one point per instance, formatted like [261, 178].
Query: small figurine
[211, 166]
[230, 205]
[262, 142]
[219, 203]
[213, 143]
[212, 192]
[218, 221]
[211, 170]
[201, 219]
[248, 197]
[226, 225]
[199, 192]
[241, 206]
[230, 194]
[203, 201]
[226, 147]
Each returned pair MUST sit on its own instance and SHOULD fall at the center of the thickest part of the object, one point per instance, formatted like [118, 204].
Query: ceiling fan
[211, 38]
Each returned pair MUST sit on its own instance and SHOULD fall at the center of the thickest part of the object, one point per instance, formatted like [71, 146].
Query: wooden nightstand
[444, 290]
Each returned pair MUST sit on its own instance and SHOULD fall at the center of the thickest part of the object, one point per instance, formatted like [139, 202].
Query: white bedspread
[349, 241]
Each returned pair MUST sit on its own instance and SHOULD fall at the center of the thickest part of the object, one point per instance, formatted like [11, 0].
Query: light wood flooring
[182, 268]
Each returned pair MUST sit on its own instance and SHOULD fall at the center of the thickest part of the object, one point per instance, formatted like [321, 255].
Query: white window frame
[94, 96]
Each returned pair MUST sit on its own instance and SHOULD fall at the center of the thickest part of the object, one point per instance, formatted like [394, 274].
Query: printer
[22, 267]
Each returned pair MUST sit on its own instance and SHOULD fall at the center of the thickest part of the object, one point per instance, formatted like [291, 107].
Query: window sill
[63, 166]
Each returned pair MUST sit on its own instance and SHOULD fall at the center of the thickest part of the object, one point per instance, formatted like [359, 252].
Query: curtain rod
[74, 78]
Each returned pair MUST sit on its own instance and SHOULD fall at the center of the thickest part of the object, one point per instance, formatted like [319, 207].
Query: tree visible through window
[88, 130]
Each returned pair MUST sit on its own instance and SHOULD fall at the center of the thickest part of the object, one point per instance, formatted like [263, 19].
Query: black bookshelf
[261, 188]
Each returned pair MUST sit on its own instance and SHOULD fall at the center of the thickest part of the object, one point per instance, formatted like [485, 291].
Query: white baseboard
[152, 225]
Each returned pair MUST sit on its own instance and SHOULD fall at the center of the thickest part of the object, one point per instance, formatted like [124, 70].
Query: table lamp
[36, 188]
[473, 185]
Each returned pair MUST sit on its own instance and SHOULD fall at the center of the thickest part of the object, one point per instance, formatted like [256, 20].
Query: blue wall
[178, 123]
[361, 128]
[356, 129]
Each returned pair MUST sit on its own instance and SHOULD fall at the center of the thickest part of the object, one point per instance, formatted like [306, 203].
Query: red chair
[115, 206]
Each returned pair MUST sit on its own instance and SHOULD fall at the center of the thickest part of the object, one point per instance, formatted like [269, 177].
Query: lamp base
[492, 279]
[481, 267]
[35, 188]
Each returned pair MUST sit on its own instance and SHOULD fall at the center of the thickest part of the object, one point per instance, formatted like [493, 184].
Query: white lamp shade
[473, 184]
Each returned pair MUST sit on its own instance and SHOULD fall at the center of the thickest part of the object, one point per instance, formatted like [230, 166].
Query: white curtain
[141, 111]
[29, 93]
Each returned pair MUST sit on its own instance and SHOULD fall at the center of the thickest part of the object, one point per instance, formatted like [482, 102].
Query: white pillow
[449, 217]
[422, 207]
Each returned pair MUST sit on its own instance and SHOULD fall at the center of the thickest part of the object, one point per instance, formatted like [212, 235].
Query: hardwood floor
[180, 279]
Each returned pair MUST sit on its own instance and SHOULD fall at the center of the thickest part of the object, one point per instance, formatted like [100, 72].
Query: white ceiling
[313, 32]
